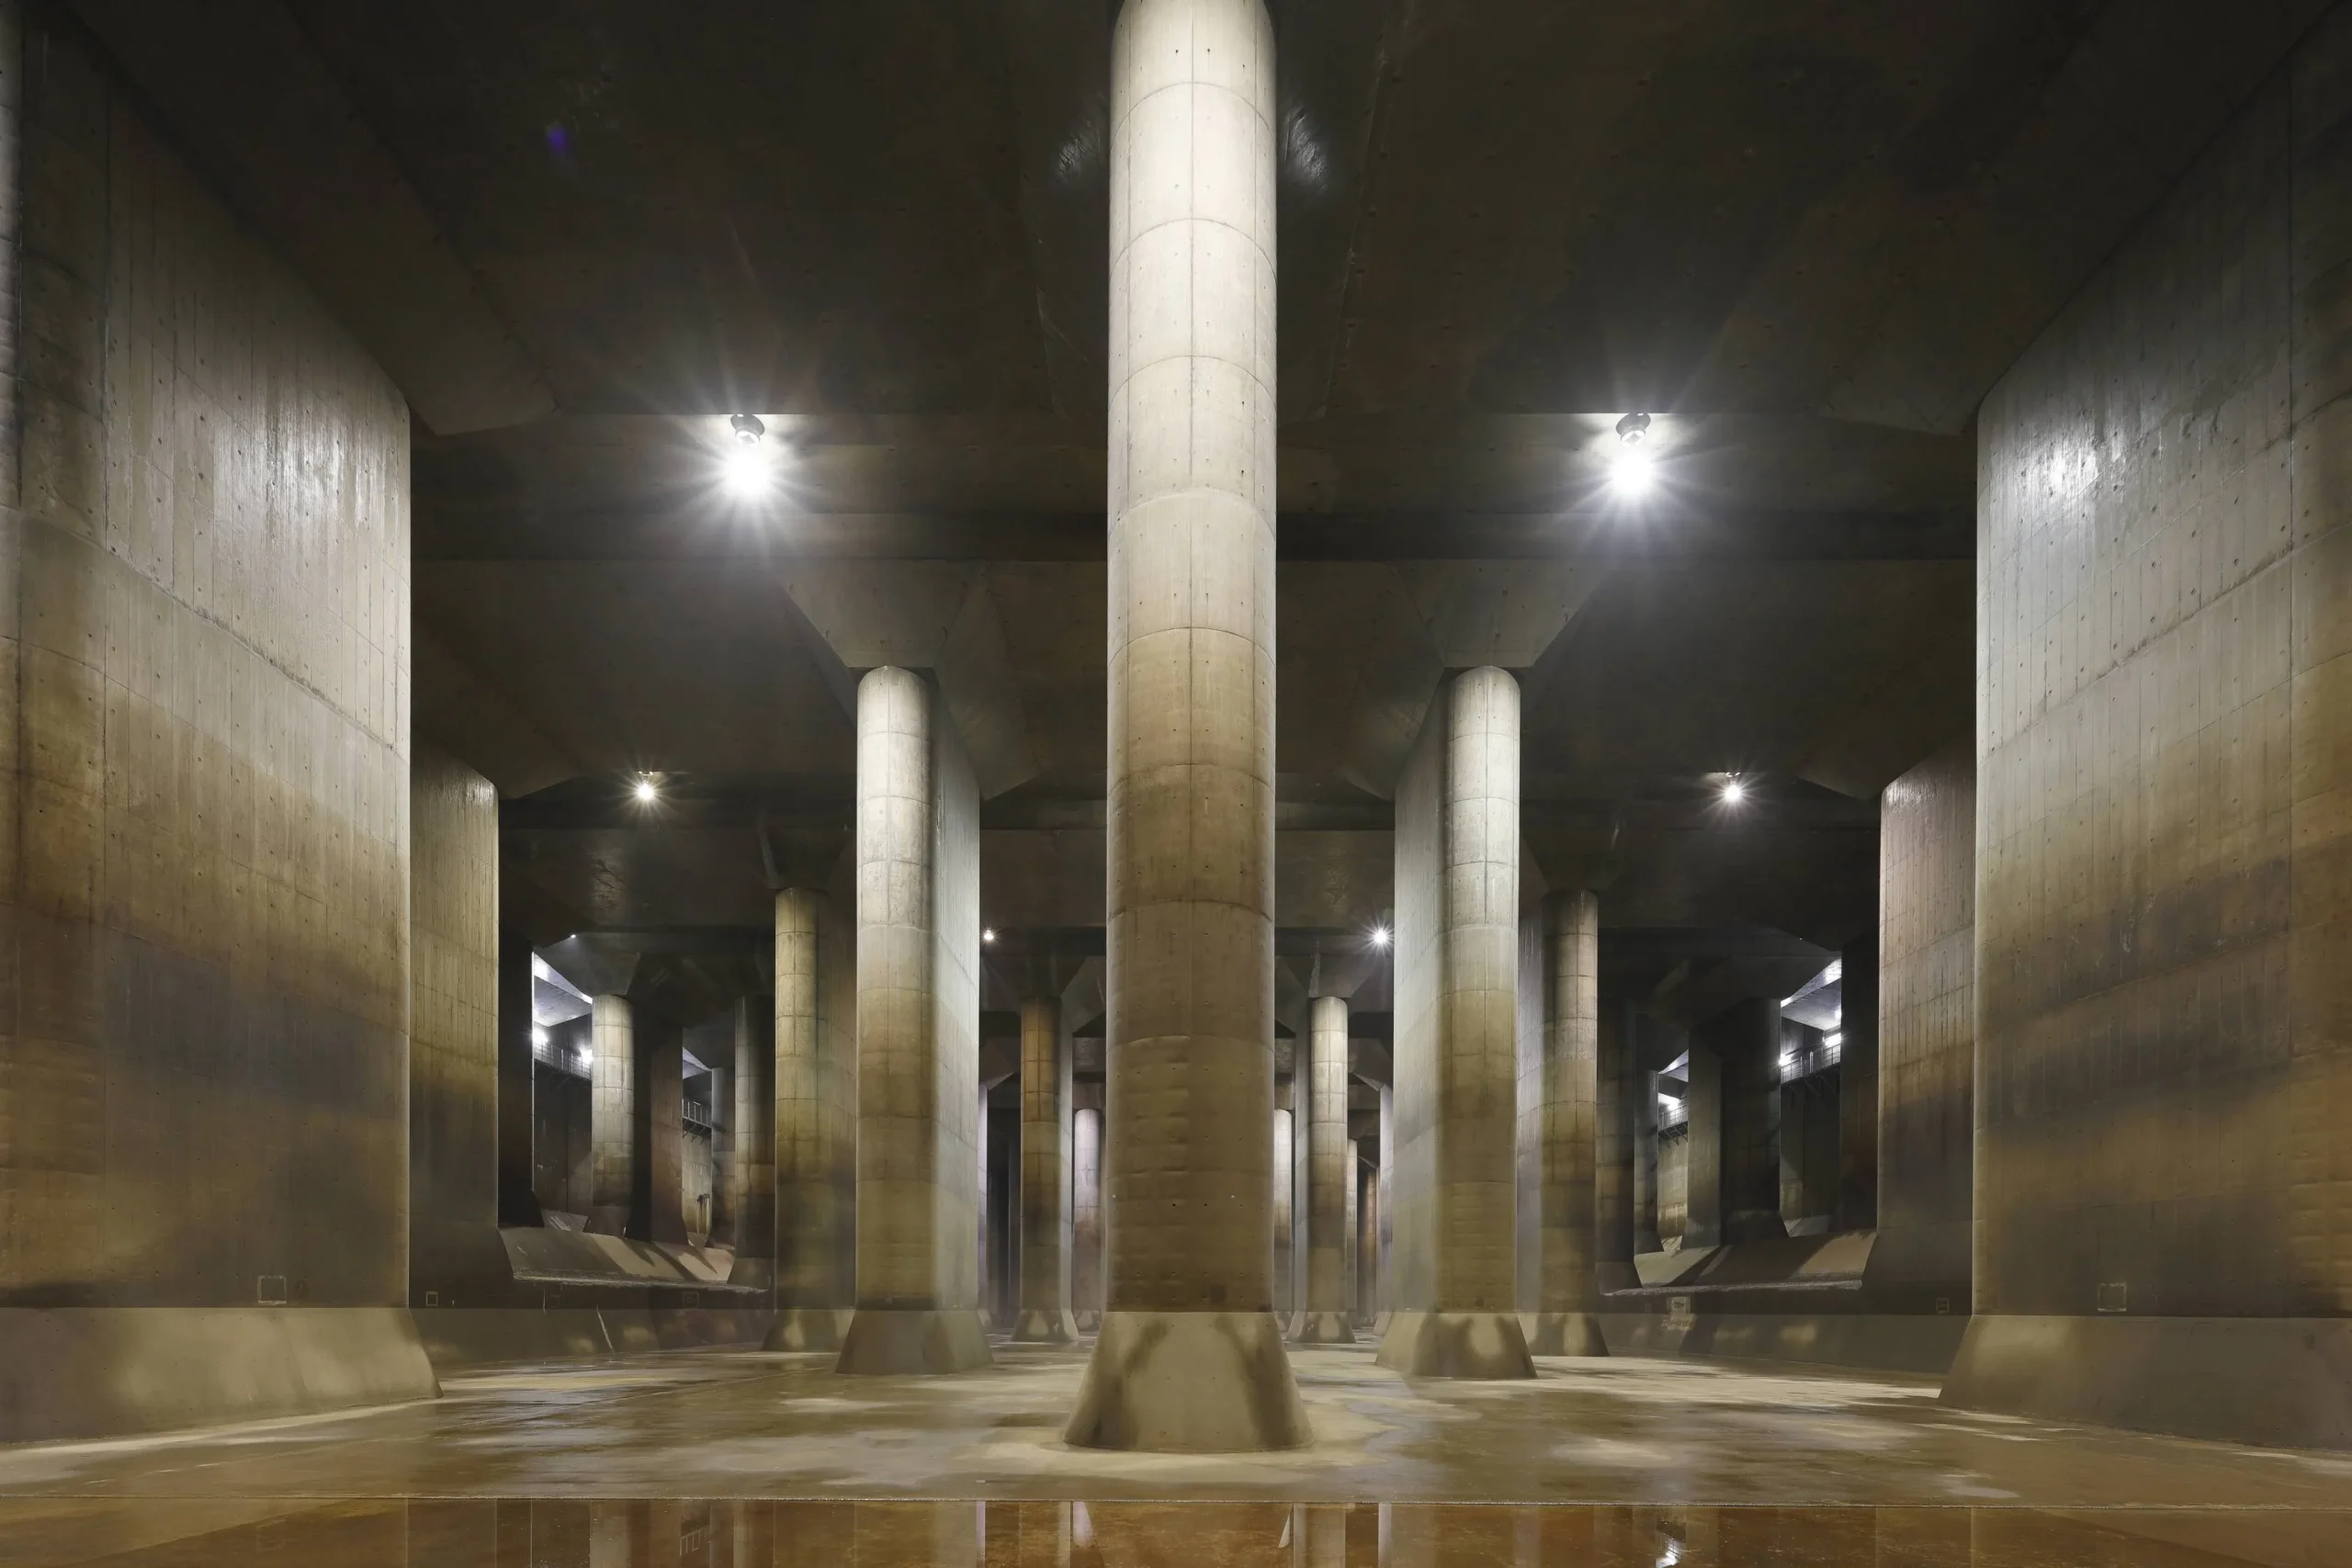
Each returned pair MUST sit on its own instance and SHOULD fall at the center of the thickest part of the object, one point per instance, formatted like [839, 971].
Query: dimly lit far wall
[2164, 876]
[1927, 1034]
[454, 1256]
[204, 892]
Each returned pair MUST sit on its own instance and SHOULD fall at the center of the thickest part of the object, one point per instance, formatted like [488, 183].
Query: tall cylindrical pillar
[1567, 1084]
[1285, 1216]
[1857, 1098]
[917, 1037]
[1616, 1107]
[810, 1206]
[751, 1166]
[1734, 1147]
[1331, 1176]
[614, 1154]
[1189, 1357]
[1385, 1268]
[1086, 1217]
[1457, 1021]
[1645, 1134]
[517, 1080]
[1045, 1175]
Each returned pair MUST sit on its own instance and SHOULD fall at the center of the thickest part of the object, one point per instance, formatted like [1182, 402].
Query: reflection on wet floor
[508, 1533]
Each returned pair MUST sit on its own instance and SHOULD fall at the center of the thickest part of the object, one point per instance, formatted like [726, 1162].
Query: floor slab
[1638, 1459]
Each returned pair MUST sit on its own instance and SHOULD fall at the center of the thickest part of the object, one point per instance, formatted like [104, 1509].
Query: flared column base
[1321, 1328]
[1471, 1345]
[1189, 1382]
[1039, 1325]
[882, 1341]
[1562, 1334]
[808, 1329]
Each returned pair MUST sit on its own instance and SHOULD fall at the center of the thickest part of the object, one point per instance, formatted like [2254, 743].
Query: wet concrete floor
[724, 1458]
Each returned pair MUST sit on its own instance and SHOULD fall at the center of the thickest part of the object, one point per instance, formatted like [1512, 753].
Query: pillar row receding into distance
[918, 1036]
[1562, 1084]
[1190, 1355]
[1457, 1057]
[1045, 1175]
[1322, 1091]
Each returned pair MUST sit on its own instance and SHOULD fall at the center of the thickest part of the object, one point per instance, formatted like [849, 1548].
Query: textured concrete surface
[1733, 1191]
[815, 1195]
[453, 1252]
[1456, 988]
[204, 679]
[1046, 1102]
[918, 1036]
[613, 1114]
[1189, 805]
[1927, 1035]
[1559, 1102]
[2164, 1173]
[1330, 1168]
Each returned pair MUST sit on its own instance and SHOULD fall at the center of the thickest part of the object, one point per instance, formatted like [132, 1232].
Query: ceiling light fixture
[647, 792]
[1380, 936]
[747, 469]
[988, 933]
[1629, 467]
[1735, 791]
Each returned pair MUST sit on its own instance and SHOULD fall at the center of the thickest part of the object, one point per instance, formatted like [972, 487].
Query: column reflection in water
[758, 1533]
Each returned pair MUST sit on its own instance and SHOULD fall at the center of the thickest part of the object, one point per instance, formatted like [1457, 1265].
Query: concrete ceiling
[1808, 236]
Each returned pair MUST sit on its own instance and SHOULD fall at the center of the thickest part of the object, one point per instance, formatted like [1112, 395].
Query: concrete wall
[1926, 1033]
[454, 1251]
[204, 891]
[2164, 875]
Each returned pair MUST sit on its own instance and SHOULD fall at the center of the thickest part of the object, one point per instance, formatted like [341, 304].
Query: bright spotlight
[988, 933]
[748, 471]
[647, 792]
[1734, 792]
[1380, 936]
[539, 1037]
[1629, 468]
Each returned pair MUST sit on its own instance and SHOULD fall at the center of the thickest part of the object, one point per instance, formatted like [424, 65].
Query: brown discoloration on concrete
[1457, 980]
[204, 879]
[918, 1036]
[1190, 809]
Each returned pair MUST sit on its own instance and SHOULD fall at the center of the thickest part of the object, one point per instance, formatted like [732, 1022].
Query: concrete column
[1566, 1087]
[1615, 1175]
[1331, 1176]
[1456, 1059]
[657, 1211]
[1045, 1175]
[1190, 1355]
[1645, 1137]
[1385, 1265]
[1351, 1260]
[1368, 1238]
[611, 1116]
[1285, 1211]
[811, 1200]
[1926, 1104]
[1734, 1155]
[1086, 1217]
[517, 1204]
[751, 1165]
[1857, 1109]
[917, 1037]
